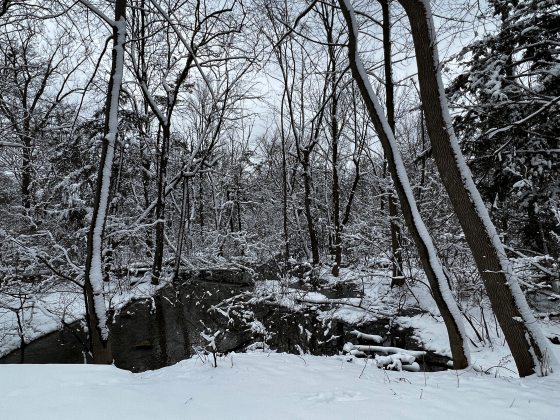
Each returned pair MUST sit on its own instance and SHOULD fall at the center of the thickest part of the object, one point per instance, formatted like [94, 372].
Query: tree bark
[526, 342]
[96, 313]
[335, 134]
[184, 214]
[398, 278]
[285, 194]
[314, 242]
[426, 250]
[160, 206]
[27, 153]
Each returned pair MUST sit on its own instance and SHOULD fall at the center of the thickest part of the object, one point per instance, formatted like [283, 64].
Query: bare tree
[28, 99]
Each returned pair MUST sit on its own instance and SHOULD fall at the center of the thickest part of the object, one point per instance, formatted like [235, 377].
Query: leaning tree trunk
[93, 281]
[434, 271]
[526, 342]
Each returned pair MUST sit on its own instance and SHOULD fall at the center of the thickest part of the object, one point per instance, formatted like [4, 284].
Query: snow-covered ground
[269, 386]
[381, 301]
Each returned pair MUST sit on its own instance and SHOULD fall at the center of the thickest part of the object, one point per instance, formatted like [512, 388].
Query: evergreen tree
[510, 92]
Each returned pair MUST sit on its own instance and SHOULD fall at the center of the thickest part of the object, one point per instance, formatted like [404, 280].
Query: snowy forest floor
[263, 385]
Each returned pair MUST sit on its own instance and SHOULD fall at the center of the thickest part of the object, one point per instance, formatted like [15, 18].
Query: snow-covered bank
[55, 305]
[269, 386]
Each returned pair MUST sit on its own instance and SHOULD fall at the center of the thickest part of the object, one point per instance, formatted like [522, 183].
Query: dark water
[153, 333]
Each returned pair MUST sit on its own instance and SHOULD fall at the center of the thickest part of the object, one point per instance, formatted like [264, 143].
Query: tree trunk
[336, 195]
[181, 233]
[160, 206]
[201, 207]
[398, 278]
[525, 340]
[26, 169]
[307, 205]
[426, 250]
[93, 282]
[284, 190]
[335, 134]
[144, 126]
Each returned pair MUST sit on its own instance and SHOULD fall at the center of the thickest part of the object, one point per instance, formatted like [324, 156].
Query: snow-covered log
[367, 337]
[397, 362]
[390, 358]
[384, 350]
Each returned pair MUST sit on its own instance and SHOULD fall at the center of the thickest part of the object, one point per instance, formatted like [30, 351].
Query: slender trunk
[180, 235]
[231, 211]
[191, 208]
[26, 169]
[336, 197]
[112, 243]
[426, 250]
[21, 334]
[307, 205]
[335, 134]
[93, 281]
[397, 278]
[160, 206]
[201, 207]
[144, 126]
[285, 196]
[146, 164]
[238, 207]
[526, 342]
[423, 170]
[358, 149]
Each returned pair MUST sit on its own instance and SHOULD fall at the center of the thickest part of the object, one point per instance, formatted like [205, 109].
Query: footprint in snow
[335, 396]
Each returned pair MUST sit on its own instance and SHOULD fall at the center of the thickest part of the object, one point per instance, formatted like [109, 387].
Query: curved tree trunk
[93, 282]
[527, 344]
[426, 250]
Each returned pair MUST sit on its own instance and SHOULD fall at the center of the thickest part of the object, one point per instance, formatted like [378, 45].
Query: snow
[270, 386]
[368, 337]
[384, 349]
[55, 303]
[42, 314]
[430, 331]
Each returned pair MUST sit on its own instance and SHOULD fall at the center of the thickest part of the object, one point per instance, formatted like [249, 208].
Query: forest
[280, 209]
